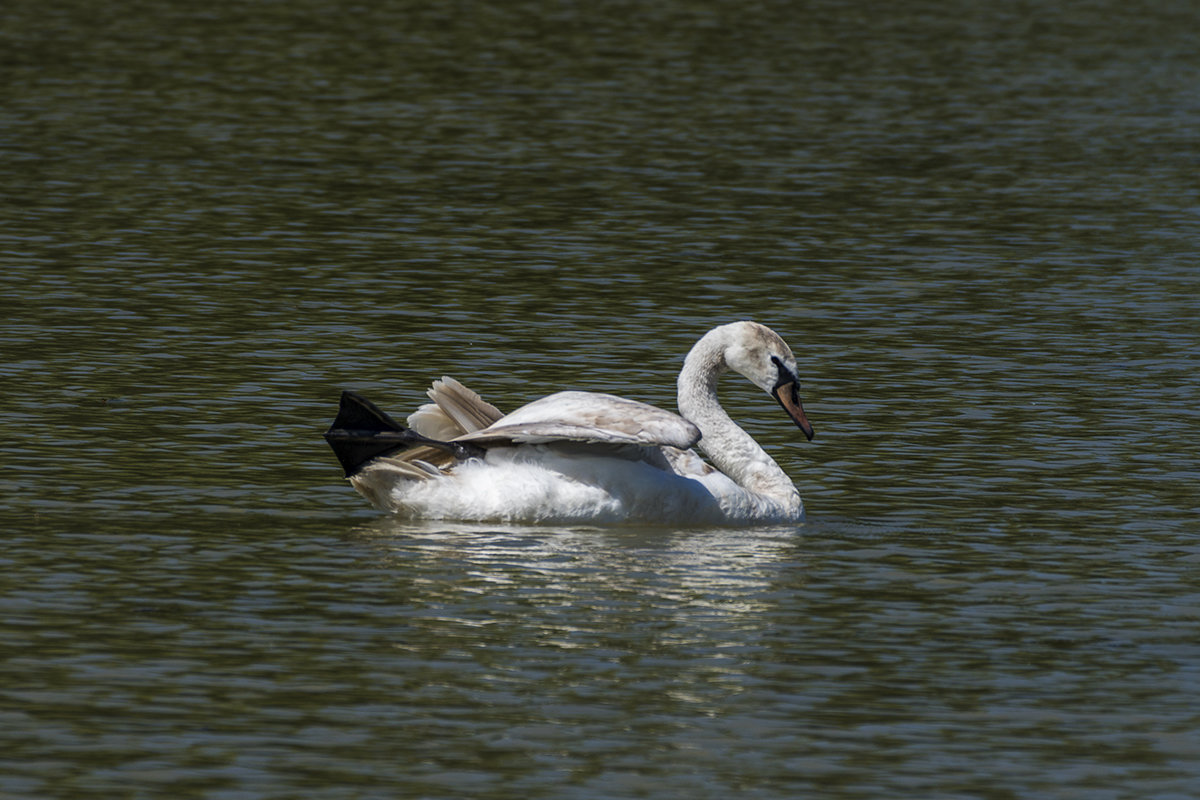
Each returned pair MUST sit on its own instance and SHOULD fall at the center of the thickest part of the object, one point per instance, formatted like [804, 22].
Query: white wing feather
[455, 410]
[589, 417]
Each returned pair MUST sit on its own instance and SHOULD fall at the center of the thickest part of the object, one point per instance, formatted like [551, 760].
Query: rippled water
[976, 226]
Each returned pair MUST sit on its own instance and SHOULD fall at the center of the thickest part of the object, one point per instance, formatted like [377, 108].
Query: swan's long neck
[731, 449]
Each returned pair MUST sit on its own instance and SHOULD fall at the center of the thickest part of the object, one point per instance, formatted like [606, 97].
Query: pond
[976, 227]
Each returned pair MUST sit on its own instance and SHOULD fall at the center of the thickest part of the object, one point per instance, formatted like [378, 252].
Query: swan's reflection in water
[585, 612]
[728, 569]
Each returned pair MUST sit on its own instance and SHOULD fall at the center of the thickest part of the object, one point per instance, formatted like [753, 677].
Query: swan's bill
[788, 396]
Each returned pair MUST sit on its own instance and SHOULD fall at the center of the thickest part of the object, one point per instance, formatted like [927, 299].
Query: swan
[583, 457]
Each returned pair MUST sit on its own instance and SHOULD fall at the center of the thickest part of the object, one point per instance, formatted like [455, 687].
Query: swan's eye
[785, 375]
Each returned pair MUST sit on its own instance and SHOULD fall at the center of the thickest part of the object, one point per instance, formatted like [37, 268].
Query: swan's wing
[464, 406]
[455, 410]
[589, 417]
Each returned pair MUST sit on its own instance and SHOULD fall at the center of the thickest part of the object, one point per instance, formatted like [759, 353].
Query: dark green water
[977, 227]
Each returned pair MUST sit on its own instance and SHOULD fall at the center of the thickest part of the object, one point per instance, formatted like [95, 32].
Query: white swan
[583, 457]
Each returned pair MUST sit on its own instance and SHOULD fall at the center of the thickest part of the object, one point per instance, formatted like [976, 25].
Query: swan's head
[765, 359]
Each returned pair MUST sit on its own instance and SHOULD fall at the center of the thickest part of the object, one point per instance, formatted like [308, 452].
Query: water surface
[975, 226]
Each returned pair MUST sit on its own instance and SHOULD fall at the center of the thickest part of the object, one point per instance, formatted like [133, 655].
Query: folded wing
[588, 417]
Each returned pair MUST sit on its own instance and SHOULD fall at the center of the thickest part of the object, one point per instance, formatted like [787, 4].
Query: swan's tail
[363, 432]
